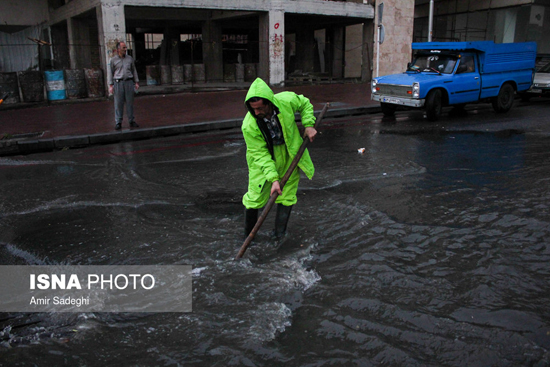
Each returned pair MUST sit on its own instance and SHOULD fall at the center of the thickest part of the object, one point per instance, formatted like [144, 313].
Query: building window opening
[190, 37]
[153, 40]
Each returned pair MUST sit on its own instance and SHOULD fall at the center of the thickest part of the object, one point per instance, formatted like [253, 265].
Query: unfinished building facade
[211, 40]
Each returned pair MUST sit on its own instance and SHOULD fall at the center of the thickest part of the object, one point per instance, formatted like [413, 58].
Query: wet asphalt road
[430, 248]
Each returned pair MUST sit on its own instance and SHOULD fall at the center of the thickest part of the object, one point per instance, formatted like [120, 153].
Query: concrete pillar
[368, 36]
[272, 47]
[398, 21]
[338, 49]
[78, 35]
[263, 47]
[212, 52]
[164, 46]
[509, 30]
[175, 42]
[321, 42]
[111, 26]
[101, 41]
[277, 47]
[169, 54]
[139, 45]
[353, 53]
[60, 42]
[306, 52]
[112, 29]
[71, 31]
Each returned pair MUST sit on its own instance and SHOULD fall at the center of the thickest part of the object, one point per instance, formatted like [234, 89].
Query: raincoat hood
[259, 88]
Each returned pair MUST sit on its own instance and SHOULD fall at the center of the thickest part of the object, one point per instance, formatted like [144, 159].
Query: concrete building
[501, 21]
[210, 40]
[282, 41]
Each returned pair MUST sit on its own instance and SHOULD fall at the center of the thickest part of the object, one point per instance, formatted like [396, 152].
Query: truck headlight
[416, 90]
[373, 84]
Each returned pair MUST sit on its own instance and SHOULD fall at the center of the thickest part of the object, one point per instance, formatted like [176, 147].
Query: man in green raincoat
[272, 140]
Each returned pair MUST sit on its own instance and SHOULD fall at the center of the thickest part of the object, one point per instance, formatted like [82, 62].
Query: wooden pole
[282, 183]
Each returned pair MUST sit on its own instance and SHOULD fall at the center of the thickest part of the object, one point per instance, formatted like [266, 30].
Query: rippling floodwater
[425, 250]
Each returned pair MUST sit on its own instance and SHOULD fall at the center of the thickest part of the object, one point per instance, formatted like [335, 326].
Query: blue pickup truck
[456, 73]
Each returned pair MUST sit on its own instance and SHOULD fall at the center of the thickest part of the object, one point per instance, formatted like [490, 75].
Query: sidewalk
[79, 123]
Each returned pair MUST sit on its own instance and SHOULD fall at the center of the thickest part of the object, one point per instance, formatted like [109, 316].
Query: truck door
[466, 83]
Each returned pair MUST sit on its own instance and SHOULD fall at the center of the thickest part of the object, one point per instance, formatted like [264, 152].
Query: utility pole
[381, 35]
[431, 21]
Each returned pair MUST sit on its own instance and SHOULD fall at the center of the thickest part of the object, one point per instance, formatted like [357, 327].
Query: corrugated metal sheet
[17, 52]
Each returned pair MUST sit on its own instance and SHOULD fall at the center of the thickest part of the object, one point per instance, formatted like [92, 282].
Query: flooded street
[430, 248]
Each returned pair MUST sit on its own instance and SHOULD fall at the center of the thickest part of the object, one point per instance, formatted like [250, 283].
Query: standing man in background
[123, 82]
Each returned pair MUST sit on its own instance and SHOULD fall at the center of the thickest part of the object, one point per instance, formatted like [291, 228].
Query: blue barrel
[55, 85]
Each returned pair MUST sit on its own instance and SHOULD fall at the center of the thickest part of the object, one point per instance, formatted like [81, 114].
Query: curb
[30, 146]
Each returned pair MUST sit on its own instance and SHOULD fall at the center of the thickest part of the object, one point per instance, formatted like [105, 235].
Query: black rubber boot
[281, 220]
[250, 219]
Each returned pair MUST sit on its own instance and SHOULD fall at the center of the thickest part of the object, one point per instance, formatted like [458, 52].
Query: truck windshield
[443, 64]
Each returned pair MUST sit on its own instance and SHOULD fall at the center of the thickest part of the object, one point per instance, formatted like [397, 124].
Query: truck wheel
[434, 105]
[505, 99]
[388, 109]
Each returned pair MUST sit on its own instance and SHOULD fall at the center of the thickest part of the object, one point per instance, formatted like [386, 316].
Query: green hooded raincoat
[267, 164]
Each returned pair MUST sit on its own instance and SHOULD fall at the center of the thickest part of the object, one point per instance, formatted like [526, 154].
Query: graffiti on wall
[111, 47]
[277, 45]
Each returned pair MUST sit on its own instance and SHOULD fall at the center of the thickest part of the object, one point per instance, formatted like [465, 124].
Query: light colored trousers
[124, 92]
